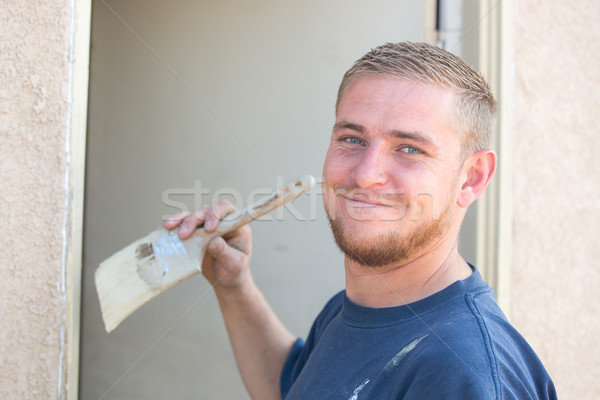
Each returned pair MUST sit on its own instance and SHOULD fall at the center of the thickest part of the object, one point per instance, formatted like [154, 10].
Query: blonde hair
[475, 109]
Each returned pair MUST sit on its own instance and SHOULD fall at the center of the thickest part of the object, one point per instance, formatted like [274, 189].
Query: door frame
[493, 30]
[79, 61]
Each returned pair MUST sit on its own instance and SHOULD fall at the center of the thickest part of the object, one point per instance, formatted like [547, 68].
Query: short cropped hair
[475, 109]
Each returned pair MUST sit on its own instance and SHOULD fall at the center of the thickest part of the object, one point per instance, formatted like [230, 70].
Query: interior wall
[194, 95]
[555, 277]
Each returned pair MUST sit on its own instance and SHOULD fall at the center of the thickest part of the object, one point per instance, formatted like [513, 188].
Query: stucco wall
[556, 259]
[35, 198]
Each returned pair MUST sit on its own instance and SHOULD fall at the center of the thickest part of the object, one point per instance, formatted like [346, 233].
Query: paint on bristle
[155, 259]
[144, 250]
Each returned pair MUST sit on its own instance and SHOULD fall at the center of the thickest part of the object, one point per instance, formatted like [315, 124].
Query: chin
[368, 249]
[380, 244]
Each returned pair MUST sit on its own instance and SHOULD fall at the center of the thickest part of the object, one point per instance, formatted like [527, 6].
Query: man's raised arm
[260, 342]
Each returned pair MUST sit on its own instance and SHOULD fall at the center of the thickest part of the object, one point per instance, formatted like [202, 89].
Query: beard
[398, 245]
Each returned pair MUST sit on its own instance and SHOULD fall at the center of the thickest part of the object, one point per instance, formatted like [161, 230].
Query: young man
[408, 154]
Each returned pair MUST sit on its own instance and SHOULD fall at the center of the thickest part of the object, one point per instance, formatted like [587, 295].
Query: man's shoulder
[478, 356]
[474, 329]
[479, 343]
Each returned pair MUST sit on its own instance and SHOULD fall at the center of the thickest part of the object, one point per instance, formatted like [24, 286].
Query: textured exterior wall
[35, 115]
[556, 276]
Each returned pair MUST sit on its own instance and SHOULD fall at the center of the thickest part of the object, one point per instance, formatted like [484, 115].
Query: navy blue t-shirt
[455, 344]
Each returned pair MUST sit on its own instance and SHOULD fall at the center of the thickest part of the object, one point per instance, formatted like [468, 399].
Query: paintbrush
[160, 260]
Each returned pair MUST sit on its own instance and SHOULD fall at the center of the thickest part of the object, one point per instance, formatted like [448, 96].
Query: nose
[371, 167]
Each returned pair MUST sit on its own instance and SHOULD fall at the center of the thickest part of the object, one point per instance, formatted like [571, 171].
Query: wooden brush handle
[266, 204]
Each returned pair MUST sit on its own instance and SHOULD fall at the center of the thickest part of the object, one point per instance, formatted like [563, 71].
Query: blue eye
[410, 150]
[352, 140]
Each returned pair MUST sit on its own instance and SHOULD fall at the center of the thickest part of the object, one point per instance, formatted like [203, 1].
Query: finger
[174, 220]
[193, 221]
[217, 213]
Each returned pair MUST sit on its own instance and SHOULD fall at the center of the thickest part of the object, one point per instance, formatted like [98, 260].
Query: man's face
[391, 170]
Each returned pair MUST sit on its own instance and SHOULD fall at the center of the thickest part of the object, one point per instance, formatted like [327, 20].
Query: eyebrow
[349, 125]
[417, 137]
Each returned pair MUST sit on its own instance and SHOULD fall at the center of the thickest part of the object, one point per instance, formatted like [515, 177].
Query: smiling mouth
[368, 210]
[361, 204]
[371, 201]
[366, 203]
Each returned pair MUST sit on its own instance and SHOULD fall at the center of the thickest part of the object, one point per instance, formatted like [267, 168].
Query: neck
[407, 282]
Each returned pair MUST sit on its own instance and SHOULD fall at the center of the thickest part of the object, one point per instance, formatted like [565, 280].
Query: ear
[478, 169]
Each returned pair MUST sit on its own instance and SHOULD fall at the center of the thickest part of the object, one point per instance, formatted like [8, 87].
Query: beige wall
[229, 94]
[42, 123]
[556, 259]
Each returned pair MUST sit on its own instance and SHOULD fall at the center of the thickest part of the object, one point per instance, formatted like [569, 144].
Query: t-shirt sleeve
[297, 359]
[301, 350]
[289, 374]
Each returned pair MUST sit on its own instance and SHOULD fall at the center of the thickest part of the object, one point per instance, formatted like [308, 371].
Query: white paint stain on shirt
[358, 389]
[402, 353]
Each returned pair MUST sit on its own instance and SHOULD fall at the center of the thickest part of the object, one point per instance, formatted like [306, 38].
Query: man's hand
[226, 261]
